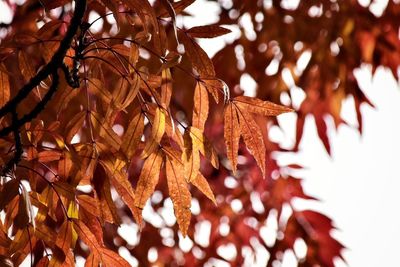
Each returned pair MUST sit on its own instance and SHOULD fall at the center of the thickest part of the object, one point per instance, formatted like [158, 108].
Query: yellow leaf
[204, 145]
[191, 157]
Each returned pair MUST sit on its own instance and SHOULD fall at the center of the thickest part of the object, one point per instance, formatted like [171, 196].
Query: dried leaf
[231, 133]
[252, 137]
[209, 31]
[148, 179]
[133, 135]
[200, 107]
[4, 87]
[179, 193]
[201, 183]
[264, 108]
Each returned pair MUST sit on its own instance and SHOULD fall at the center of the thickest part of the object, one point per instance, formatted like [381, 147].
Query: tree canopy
[112, 115]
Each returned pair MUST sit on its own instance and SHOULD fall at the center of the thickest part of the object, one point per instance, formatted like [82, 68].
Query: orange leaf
[125, 190]
[201, 183]
[191, 157]
[86, 236]
[96, 87]
[252, 137]
[200, 107]
[4, 87]
[199, 58]
[157, 132]
[148, 179]
[205, 147]
[74, 125]
[166, 87]
[179, 193]
[231, 134]
[106, 130]
[112, 259]
[49, 155]
[208, 31]
[133, 135]
[265, 108]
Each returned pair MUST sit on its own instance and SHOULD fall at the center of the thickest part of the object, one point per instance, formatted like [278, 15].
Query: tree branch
[54, 63]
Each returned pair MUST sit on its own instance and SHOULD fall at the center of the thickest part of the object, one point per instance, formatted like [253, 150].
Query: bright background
[358, 184]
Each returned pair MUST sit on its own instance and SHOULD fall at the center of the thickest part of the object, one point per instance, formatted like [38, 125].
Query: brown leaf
[106, 130]
[133, 135]
[148, 179]
[49, 155]
[199, 58]
[231, 133]
[86, 236]
[200, 107]
[209, 31]
[125, 190]
[179, 193]
[178, 7]
[90, 204]
[204, 145]
[74, 125]
[260, 107]
[191, 156]
[4, 87]
[9, 191]
[166, 87]
[112, 259]
[157, 132]
[252, 137]
[96, 87]
[201, 183]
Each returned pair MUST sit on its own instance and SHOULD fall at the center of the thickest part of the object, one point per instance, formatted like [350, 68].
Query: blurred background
[357, 183]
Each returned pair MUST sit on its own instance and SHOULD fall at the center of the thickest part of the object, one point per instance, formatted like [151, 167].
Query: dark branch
[54, 63]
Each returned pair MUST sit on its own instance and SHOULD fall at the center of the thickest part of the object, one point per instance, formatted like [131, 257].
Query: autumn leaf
[148, 179]
[191, 156]
[179, 193]
[252, 137]
[257, 106]
[4, 87]
[231, 133]
[201, 183]
[200, 107]
[133, 135]
[209, 31]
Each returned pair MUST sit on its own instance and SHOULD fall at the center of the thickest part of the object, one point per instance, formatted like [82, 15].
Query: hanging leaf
[148, 179]
[4, 87]
[201, 183]
[133, 135]
[179, 193]
[264, 108]
[209, 31]
[252, 137]
[231, 134]
[200, 107]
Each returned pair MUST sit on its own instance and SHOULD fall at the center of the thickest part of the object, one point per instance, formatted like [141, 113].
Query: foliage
[100, 124]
